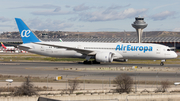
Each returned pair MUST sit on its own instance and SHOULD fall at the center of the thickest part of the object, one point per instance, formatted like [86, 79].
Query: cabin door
[158, 50]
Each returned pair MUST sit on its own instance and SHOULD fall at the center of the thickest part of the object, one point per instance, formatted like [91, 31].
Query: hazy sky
[90, 15]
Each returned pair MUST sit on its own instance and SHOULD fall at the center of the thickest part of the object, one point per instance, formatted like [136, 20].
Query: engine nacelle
[104, 57]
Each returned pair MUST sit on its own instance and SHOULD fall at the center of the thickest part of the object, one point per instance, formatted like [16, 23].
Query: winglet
[26, 34]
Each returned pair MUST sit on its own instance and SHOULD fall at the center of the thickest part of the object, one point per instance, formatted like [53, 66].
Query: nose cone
[174, 55]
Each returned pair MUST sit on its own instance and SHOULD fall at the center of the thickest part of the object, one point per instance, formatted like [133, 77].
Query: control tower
[139, 25]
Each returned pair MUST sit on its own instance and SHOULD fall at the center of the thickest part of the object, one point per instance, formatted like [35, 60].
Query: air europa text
[133, 48]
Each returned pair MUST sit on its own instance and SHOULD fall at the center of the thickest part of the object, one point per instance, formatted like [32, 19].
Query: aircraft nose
[175, 55]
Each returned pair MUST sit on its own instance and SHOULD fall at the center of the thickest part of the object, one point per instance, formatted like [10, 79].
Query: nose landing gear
[162, 62]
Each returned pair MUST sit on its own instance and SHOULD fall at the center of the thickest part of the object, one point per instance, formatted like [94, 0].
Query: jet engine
[104, 57]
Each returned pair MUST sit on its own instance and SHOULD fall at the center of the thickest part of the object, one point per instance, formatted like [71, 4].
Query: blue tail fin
[26, 34]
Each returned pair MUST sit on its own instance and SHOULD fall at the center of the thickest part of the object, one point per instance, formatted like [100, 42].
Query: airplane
[100, 52]
[60, 40]
[12, 48]
[9, 48]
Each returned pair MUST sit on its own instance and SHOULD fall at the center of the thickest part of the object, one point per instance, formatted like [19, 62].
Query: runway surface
[43, 69]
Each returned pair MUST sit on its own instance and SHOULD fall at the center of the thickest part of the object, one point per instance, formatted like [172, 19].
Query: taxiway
[42, 69]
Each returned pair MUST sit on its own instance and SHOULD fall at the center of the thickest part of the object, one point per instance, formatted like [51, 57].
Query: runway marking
[9, 64]
[78, 77]
[127, 69]
[40, 68]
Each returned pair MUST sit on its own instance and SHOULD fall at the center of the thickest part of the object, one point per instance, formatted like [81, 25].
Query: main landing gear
[162, 62]
[91, 62]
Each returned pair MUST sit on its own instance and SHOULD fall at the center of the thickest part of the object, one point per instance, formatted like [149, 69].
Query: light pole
[78, 36]
[84, 82]
[109, 82]
[47, 82]
[103, 82]
[138, 80]
[176, 76]
[66, 82]
[156, 79]
[135, 82]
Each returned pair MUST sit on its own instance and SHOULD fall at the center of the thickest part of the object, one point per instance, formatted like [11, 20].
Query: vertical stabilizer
[3, 45]
[26, 34]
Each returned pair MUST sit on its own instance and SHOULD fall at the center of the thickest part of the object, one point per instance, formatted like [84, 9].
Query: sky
[90, 15]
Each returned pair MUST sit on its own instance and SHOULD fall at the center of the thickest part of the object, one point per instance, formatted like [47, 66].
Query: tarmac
[145, 72]
[103, 72]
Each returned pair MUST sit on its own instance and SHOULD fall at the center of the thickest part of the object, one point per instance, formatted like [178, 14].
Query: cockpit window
[170, 49]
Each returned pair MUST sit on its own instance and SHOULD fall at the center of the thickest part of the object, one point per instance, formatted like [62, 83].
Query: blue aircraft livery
[133, 48]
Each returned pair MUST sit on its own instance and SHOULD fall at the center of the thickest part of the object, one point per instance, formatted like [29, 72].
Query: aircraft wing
[23, 47]
[82, 51]
[15, 45]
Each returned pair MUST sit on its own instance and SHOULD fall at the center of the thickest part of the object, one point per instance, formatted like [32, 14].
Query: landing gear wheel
[162, 63]
[87, 62]
[95, 62]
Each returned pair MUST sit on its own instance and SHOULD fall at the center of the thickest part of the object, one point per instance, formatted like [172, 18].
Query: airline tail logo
[25, 33]
[3, 45]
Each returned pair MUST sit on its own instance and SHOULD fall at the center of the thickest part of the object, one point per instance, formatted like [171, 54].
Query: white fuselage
[120, 50]
[9, 48]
